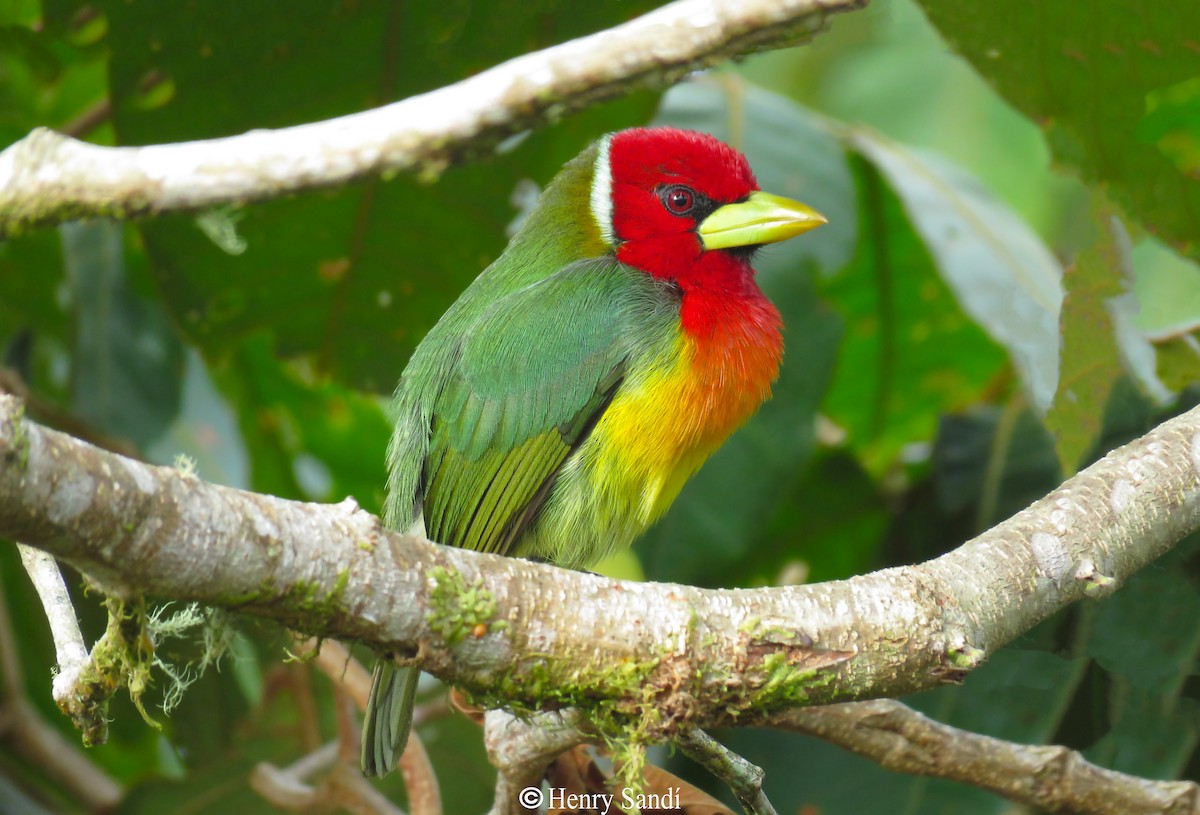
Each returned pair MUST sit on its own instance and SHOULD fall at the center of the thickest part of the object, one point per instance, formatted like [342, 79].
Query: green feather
[505, 388]
[514, 411]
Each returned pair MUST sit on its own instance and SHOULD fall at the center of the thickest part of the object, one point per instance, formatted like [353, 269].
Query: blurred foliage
[985, 311]
[1115, 87]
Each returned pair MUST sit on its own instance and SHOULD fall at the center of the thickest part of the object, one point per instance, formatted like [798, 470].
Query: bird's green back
[515, 375]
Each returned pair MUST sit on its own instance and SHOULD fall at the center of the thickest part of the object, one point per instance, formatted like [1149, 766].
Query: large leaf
[910, 353]
[1000, 271]
[354, 276]
[30, 309]
[1091, 360]
[1108, 82]
[128, 364]
[1168, 295]
[312, 440]
[723, 510]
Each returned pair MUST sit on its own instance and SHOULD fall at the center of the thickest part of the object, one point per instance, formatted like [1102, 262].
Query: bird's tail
[389, 716]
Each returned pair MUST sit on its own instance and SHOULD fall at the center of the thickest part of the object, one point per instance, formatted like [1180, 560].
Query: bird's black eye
[678, 200]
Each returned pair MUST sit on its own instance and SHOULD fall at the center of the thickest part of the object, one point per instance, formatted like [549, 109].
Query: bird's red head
[655, 186]
[685, 207]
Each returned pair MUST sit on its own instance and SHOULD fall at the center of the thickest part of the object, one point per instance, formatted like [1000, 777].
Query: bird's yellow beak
[761, 218]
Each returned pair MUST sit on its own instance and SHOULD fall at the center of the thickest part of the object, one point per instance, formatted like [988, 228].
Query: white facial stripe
[602, 192]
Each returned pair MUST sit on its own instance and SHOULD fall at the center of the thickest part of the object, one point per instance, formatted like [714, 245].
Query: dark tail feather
[389, 716]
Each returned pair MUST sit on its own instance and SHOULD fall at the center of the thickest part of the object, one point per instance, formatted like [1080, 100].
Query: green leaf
[909, 353]
[1091, 360]
[724, 509]
[1000, 271]
[128, 365]
[31, 315]
[1167, 289]
[306, 438]
[1104, 81]
[1179, 361]
[353, 277]
[1172, 124]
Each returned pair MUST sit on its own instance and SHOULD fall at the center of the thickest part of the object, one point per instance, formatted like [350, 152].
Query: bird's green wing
[533, 373]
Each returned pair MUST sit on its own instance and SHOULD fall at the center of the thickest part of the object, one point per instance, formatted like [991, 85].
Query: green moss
[20, 437]
[457, 609]
[127, 655]
[314, 607]
[618, 700]
[265, 591]
[310, 608]
[967, 658]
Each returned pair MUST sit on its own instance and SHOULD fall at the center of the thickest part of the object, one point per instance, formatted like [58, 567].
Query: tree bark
[662, 657]
[47, 178]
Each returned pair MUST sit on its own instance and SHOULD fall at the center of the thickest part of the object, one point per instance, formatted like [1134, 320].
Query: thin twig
[521, 749]
[348, 674]
[1048, 778]
[287, 788]
[742, 777]
[69, 648]
[40, 744]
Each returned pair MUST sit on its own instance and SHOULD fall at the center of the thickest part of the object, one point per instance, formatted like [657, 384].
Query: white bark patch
[1086, 570]
[1122, 493]
[1051, 556]
[141, 476]
[1136, 471]
[71, 498]
[264, 527]
[1196, 452]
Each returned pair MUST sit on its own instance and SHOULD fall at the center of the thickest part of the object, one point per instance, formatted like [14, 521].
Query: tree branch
[744, 779]
[657, 657]
[48, 178]
[27, 734]
[1048, 778]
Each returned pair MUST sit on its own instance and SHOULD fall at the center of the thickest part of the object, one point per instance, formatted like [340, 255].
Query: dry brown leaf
[458, 701]
[581, 787]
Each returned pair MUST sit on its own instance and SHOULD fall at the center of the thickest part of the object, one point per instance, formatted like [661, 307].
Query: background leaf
[910, 352]
[356, 276]
[1096, 76]
[1090, 357]
[1000, 271]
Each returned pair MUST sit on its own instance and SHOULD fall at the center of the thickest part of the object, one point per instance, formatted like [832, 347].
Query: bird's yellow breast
[668, 416]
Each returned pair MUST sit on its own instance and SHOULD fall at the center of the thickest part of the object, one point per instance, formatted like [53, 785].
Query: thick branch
[696, 657]
[48, 178]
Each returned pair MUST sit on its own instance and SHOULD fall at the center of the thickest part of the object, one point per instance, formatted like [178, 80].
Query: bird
[556, 409]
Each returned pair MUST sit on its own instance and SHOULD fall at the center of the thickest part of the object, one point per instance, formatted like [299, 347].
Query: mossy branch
[653, 660]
